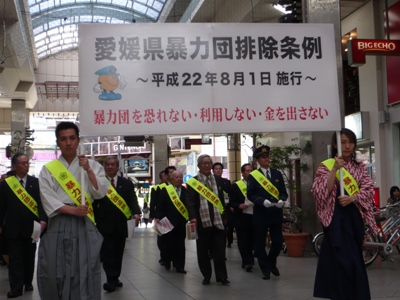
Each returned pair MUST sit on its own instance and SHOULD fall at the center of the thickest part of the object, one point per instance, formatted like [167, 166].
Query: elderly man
[205, 200]
[266, 189]
[20, 207]
[111, 213]
[172, 204]
[69, 252]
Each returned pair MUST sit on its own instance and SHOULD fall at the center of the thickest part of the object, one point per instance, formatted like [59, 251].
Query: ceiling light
[282, 9]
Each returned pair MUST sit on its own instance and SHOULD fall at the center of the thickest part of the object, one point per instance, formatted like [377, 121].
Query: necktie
[21, 182]
[208, 184]
[177, 191]
[112, 182]
[268, 175]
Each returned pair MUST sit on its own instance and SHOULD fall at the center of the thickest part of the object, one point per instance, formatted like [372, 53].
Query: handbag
[131, 227]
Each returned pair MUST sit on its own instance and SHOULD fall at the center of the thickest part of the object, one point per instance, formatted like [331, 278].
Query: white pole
[339, 150]
[82, 152]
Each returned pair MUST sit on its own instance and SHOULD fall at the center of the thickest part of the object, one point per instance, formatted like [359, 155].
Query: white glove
[279, 204]
[267, 203]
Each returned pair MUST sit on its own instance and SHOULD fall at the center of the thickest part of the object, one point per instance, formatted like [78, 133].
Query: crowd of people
[80, 211]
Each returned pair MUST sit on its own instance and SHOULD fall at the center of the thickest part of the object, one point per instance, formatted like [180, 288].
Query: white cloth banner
[207, 78]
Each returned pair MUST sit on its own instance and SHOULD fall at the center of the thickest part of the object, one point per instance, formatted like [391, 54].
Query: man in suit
[243, 218]
[205, 203]
[226, 184]
[154, 198]
[112, 213]
[20, 207]
[172, 204]
[266, 189]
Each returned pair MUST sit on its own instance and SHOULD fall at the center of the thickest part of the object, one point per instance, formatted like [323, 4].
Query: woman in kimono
[341, 273]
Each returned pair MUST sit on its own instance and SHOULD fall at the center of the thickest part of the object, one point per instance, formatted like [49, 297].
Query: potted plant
[285, 159]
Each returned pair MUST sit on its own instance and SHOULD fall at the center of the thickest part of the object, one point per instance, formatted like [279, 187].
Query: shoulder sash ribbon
[173, 195]
[265, 183]
[205, 192]
[350, 184]
[23, 195]
[118, 201]
[242, 187]
[70, 185]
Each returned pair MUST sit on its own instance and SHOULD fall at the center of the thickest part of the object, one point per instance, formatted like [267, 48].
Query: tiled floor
[144, 278]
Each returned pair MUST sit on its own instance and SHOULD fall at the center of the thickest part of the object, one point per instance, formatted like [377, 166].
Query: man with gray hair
[205, 203]
[112, 213]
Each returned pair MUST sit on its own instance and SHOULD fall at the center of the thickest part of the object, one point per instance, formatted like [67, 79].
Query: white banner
[207, 78]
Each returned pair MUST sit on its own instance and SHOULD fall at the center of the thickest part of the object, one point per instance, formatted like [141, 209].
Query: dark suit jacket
[193, 202]
[109, 218]
[257, 194]
[16, 217]
[165, 208]
[154, 197]
[236, 198]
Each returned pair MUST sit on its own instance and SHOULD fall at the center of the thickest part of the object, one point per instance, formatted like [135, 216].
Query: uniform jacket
[257, 194]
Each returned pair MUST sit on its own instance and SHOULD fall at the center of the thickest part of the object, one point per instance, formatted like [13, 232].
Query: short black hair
[169, 168]
[393, 189]
[64, 126]
[160, 174]
[14, 159]
[242, 168]
[217, 164]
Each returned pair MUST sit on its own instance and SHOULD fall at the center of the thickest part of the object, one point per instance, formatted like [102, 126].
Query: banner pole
[82, 152]
[339, 150]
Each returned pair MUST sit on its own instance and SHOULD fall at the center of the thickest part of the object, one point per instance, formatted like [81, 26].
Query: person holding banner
[206, 205]
[20, 208]
[111, 214]
[266, 189]
[69, 252]
[341, 273]
[172, 204]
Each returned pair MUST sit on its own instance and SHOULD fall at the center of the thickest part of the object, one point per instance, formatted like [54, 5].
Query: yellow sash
[350, 184]
[118, 201]
[173, 195]
[23, 195]
[70, 185]
[206, 193]
[162, 185]
[265, 183]
[242, 186]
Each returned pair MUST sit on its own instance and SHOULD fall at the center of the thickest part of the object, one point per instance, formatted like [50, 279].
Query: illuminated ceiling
[55, 22]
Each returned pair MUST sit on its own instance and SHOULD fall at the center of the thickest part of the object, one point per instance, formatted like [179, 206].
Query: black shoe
[109, 287]
[161, 262]
[119, 284]
[243, 266]
[13, 295]
[266, 276]
[224, 281]
[249, 268]
[182, 271]
[229, 245]
[206, 281]
[28, 288]
[167, 265]
[275, 271]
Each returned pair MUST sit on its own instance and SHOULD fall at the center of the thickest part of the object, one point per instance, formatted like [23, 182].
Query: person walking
[205, 203]
[111, 213]
[20, 208]
[266, 189]
[341, 273]
[69, 252]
